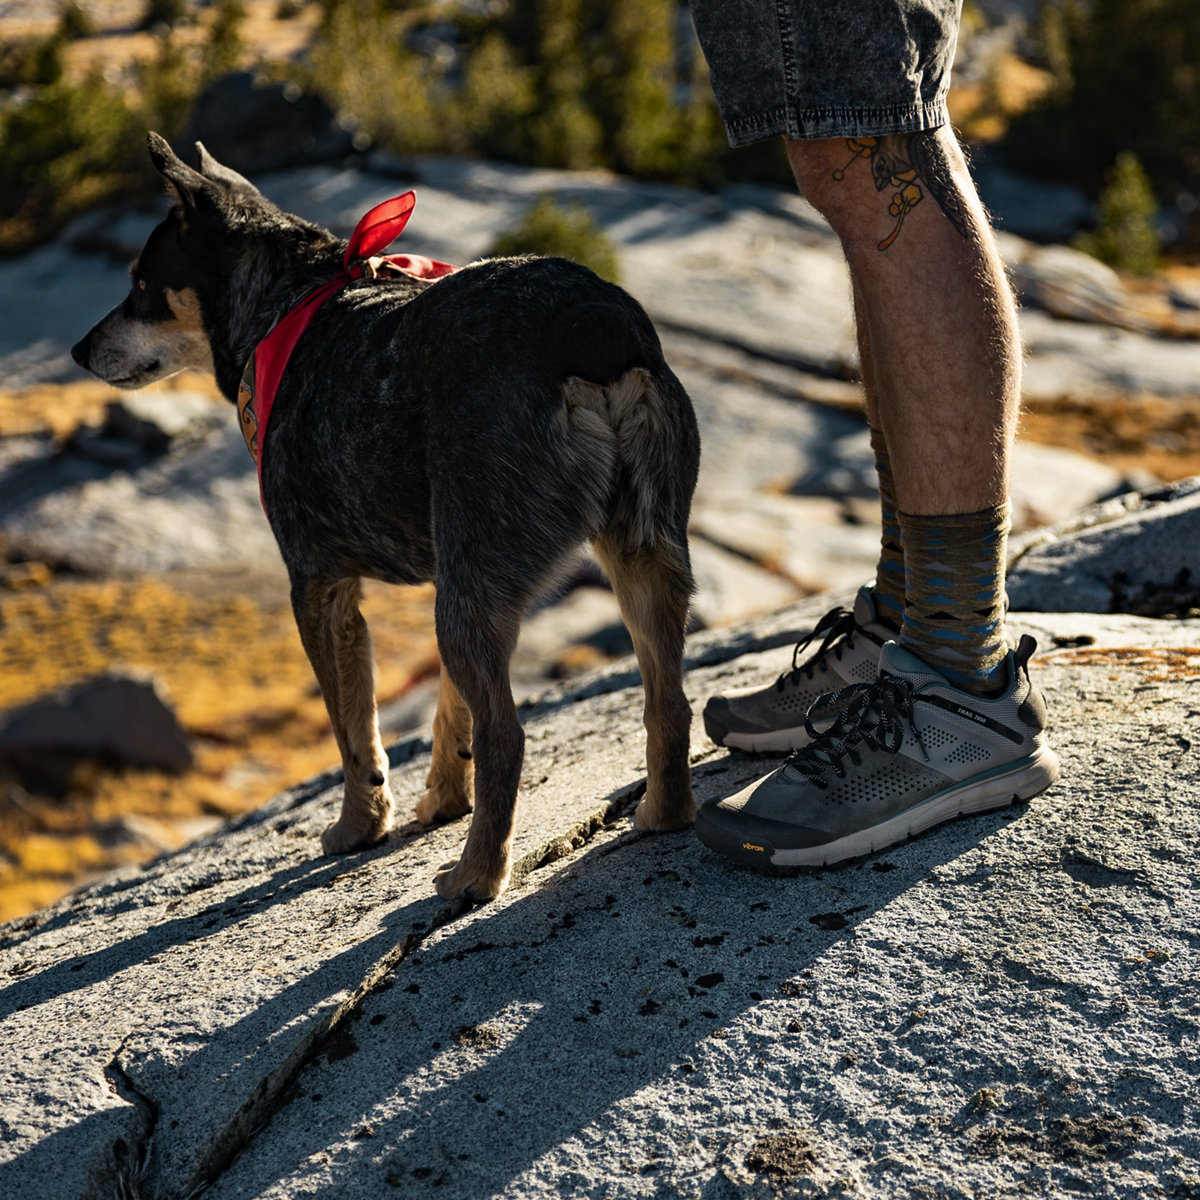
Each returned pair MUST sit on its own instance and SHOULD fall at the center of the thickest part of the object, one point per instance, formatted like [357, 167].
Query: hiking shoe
[905, 753]
[773, 718]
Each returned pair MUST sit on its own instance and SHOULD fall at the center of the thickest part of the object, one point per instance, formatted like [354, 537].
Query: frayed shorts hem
[809, 123]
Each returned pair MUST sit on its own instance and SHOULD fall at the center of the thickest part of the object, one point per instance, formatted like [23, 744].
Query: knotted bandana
[260, 379]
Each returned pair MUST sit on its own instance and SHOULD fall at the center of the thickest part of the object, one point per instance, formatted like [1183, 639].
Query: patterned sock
[954, 595]
[889, 574]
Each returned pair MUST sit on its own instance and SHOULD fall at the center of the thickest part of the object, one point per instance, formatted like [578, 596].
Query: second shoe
[772, 718]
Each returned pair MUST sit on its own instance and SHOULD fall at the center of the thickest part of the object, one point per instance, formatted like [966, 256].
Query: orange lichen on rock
[1165, 664]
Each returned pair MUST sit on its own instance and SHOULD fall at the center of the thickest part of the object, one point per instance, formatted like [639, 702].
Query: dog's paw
[343, 836]
[661, 816]
[442, 804]
[456, 881]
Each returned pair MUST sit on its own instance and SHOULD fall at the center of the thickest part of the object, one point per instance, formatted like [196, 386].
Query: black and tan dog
[473, 431]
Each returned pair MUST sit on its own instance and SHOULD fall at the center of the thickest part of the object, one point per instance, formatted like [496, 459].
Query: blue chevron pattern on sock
[954, 594]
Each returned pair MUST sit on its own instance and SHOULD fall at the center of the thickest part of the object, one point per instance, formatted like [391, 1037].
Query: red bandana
[260, 380]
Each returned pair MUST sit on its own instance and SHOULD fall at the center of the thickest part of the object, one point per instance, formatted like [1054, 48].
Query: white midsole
[996, 791]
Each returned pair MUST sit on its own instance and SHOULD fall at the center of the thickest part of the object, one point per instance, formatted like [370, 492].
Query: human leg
[935, 307]
[953, 724]
[938, 314]
[814, 71]
[937, 318]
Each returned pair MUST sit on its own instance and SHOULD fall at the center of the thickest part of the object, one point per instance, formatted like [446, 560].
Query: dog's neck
[262, 288]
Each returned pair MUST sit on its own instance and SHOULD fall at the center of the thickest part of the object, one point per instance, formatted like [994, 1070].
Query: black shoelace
[833, 625]
[873, 716]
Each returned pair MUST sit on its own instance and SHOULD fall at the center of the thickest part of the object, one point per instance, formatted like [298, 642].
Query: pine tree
[646, 120]
[566, 132]
[1125, 236]
[496, 103]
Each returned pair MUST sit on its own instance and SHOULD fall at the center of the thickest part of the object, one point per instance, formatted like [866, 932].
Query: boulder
[1139, 550]
[1070, 284]
[253, 126]
[123, 717]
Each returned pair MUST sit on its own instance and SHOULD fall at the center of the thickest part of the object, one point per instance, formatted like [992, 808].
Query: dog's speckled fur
[473, 431]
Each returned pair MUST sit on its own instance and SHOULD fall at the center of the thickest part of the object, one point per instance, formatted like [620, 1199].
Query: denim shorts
[828, 68]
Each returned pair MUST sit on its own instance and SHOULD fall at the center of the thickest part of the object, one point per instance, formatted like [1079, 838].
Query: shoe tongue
[864, 607]
[895, 660]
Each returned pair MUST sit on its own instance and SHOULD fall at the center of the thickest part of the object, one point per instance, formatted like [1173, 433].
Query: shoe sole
[1024, 781]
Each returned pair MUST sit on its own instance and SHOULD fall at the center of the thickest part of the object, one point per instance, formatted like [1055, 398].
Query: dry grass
[1134, 432]
[52, 409]
[240, 684]
[981, 112]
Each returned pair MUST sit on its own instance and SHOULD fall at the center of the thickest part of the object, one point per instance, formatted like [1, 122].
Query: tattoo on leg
[902, 163]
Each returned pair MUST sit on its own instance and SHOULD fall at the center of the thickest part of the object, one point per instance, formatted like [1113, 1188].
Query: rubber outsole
[1026, 780]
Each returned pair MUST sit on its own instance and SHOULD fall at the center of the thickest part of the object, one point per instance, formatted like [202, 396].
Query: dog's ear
[187, 184]
[218, 173]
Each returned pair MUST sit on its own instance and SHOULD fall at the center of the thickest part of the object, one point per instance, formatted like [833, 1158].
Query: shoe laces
[875, 716]
[836, 624]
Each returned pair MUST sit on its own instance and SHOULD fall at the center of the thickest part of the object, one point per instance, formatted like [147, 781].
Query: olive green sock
[954, 595]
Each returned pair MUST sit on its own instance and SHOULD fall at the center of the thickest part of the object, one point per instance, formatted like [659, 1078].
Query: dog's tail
[642, 440]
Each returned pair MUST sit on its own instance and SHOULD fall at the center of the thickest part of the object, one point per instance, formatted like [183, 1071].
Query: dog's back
[502, 415]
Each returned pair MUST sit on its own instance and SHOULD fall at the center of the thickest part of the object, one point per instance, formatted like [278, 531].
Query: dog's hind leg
[338, 645]
[653, 586]
[449, 779]
[642, 546]
[476, 638]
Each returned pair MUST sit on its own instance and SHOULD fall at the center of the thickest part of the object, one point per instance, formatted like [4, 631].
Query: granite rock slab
[1008, 1002]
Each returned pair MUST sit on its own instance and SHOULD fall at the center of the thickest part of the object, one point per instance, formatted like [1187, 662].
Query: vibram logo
[752, 846]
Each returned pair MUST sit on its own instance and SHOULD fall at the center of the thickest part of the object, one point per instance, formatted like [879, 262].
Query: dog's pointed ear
[186, 183]
[219, 173]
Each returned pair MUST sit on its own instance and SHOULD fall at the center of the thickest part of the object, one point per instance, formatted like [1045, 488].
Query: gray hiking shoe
[773, 718]
[906, 753]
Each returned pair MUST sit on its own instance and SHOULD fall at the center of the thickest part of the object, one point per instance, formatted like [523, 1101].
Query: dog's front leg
[338, 645]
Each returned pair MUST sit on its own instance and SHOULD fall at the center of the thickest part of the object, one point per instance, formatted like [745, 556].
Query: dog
[472, 427]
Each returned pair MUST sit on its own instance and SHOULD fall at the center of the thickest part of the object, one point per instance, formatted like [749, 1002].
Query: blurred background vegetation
[1103, 94]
